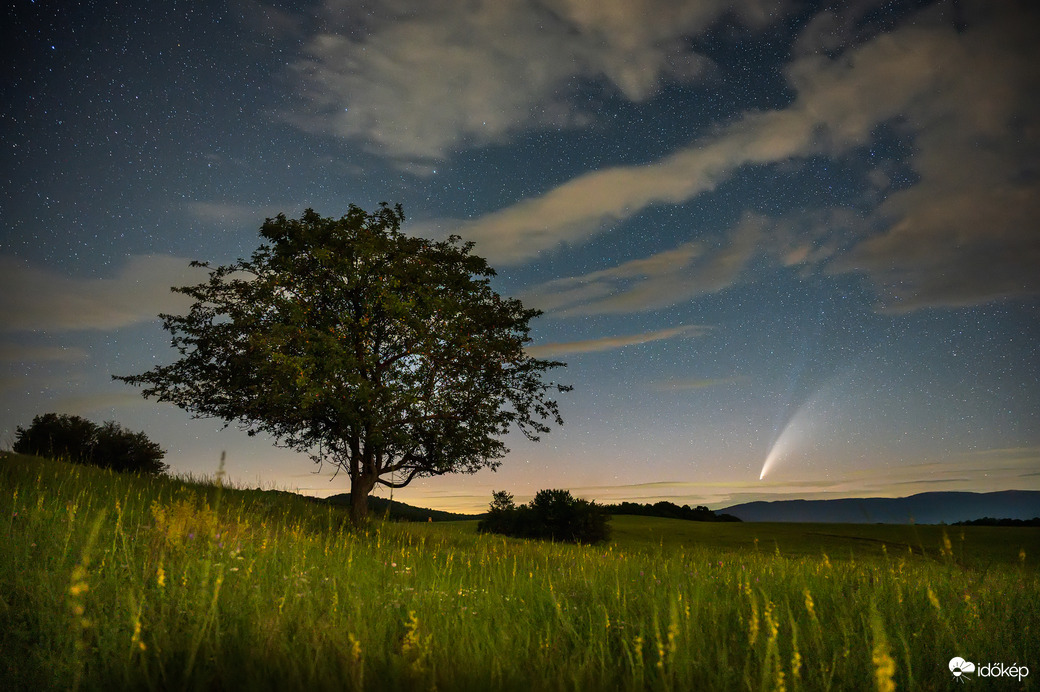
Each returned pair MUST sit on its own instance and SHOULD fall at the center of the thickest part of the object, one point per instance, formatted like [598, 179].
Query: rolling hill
[923, 508]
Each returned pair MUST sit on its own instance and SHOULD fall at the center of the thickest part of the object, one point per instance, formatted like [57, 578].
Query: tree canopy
[75, 439]
[552, 514]
[387, 355]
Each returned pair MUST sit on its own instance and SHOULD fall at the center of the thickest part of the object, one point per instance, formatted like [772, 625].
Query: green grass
[110, 581]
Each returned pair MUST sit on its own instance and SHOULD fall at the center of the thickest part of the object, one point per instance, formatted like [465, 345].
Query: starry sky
[787, 248]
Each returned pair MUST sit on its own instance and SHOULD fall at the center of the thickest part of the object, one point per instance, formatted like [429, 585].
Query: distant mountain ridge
[923, 508]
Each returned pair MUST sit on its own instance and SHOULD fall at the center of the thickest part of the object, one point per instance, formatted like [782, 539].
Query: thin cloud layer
[11, 353]
[839, 104]
[232, 213]
[101, 401]
[414, 80]
[663, 279]
[42, 299]
[969, 231]
[965, 233]
[691, 384]
[610, 343]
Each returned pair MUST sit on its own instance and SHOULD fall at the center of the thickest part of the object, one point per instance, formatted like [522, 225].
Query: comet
[788, 440]
[771, 458]
[779, 448]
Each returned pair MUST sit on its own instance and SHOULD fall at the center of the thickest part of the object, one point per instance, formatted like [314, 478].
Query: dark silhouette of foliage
[501, 501]
[668, 510]
[57, 436]
[122, 450]
[992, 521]
[385, 355]
[501, 516]
[552, 514]
[75, 439]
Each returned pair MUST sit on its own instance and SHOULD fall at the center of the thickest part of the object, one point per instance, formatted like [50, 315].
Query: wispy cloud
[10, 383]
[1013, 453]
[479, 72]
[691, 384]
[932, 481]
[11, 353]
[663, 279]
[97, 403]
[963, 234]
[35, 298]
[967, 231]
[609, 343]
[222, 212]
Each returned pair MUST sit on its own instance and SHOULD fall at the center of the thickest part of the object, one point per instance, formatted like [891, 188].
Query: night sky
[787, 249]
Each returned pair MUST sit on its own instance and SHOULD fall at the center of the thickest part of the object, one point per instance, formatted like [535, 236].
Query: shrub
[57, 437]
[552, 514]
[502, 515]
[61, 436]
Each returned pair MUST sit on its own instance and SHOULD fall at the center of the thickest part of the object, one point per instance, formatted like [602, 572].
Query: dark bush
[552, 514]
[55, 436]
[75, 439]
[502, 515]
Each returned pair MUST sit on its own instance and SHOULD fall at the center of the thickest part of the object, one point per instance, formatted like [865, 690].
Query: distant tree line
[990, 521]
[669, 510]
[552, 514]
[80, 441]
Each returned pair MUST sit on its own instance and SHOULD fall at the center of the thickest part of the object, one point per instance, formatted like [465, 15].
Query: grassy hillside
[397, 510]
[127, 582]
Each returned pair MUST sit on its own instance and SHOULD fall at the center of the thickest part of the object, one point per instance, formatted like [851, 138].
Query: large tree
[387, 355]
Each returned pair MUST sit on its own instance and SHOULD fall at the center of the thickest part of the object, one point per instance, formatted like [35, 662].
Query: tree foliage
[75, 439]
[552, 514]
[389, 356]
[669, 510]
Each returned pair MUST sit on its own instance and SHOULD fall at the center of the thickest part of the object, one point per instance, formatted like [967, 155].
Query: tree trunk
[360, 487]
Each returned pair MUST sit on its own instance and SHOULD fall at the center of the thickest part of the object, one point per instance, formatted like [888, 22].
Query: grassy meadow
[123, 582]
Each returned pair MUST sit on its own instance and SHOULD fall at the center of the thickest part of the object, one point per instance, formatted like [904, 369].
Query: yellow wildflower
[933, 599]
[753, 623]
[884, 668]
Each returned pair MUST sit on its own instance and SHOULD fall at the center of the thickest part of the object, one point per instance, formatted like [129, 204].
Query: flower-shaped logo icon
[960, 668]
